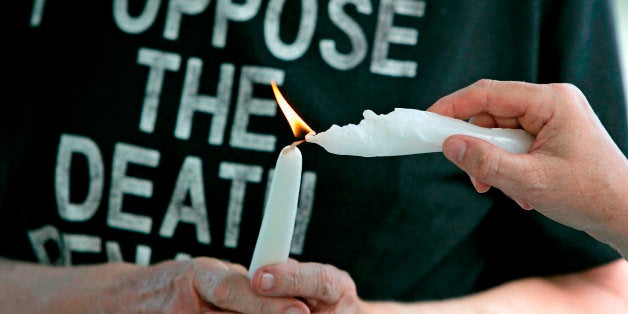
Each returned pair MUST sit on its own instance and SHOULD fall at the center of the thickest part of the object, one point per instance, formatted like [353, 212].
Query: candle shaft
[410, 131]
[275, 235]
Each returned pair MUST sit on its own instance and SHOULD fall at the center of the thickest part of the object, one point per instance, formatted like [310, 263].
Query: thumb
[486, 163]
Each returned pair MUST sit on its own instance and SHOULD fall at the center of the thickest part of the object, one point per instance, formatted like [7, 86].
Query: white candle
[275, 235]
[410, 131]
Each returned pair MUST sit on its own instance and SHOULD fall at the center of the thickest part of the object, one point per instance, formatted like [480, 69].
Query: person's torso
[151, 129]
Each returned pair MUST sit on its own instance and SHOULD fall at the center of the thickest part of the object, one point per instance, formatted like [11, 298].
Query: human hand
[324, 288]
[574, 173]
[201, 285]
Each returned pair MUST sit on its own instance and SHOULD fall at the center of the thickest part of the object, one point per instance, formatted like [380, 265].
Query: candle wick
[295, 143]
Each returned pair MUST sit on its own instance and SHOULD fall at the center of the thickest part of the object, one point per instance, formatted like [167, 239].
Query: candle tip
[309, 135]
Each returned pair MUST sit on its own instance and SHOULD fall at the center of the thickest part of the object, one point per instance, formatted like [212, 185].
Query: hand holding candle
[401, 132]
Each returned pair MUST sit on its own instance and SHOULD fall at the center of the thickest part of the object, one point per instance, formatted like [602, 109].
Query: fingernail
[268, 281]
[455, 150]
[474, 181]
[293, 310]
[524, 205]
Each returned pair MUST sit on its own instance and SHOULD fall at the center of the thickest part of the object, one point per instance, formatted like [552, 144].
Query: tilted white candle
[410, 131]
[275, 235]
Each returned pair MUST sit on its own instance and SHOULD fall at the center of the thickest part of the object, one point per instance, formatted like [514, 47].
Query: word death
[187, 202]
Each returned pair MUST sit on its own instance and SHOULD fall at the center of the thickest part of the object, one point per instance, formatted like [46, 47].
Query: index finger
[531, 105]
[229, 289]
[321, 282]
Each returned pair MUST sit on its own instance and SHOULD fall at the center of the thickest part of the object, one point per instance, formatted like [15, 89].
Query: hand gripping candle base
[275, 235]
[411, 131]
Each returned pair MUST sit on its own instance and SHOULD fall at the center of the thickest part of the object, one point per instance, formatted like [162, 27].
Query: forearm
[524, 296]
[596, 291]
[31, 288]
[533, 295]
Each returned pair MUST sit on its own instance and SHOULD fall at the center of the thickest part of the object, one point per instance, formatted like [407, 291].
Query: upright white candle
[410, 131]
[275, 235]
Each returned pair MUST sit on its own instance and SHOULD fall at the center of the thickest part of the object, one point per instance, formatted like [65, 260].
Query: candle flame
[298, 126]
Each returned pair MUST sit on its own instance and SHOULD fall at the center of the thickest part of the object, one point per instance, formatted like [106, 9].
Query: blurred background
[622, 27]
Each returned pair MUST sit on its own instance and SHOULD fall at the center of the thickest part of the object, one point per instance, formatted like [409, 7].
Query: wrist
[99, 288]
[613, 211]
[116, 292]
[29, 287]
[618, 224]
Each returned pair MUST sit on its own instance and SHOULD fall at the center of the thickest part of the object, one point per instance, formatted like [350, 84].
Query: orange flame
[299, 127]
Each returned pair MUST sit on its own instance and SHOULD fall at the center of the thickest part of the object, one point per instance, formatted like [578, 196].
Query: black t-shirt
[146, 131]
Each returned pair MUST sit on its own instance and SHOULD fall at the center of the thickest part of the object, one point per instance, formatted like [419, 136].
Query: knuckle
[563, 87]
[488, 165]
[349, 289]
[223, 293]
[266, 306]
[209, 262]
[327, 288]
[483, 92]
[262, 307]
[204, 269]
[347, 280]
[487, 83]
[567, 90]
[239, 268]
[538, 181]
[293, 282]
